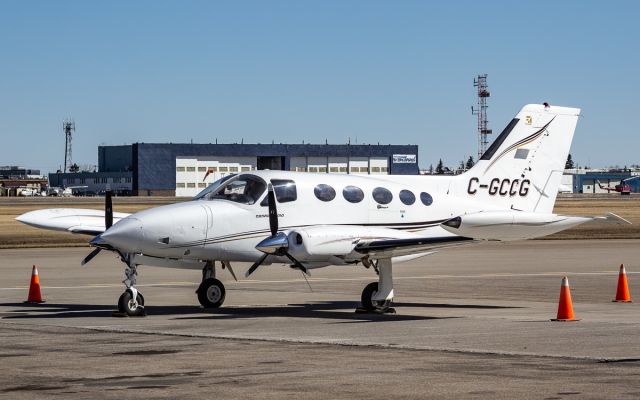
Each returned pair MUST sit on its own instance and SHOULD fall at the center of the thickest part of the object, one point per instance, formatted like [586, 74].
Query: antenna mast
[481, 111]
[68, 127]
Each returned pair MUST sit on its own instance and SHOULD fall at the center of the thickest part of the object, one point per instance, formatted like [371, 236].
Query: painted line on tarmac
[326, 342]
[319, 280]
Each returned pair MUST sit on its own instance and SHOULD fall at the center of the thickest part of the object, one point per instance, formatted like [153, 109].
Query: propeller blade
[297, 263]
[90, 256]
[273, 212]
[108, 210]
[255, 266]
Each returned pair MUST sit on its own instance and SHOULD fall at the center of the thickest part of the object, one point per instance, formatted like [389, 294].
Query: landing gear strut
[377, 296]
[211, 291]
[131, 302]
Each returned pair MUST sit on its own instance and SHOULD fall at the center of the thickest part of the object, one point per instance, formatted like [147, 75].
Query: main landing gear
[131, 302]
[377, 296]
[211, 291]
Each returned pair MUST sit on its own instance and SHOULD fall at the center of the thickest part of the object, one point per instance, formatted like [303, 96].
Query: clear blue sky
[379, 71]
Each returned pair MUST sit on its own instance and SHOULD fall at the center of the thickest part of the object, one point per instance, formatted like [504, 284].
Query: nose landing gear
[131, 302]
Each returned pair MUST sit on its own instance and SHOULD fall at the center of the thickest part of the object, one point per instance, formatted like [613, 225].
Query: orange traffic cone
[565, 306]
[34, 288]
[622, 294]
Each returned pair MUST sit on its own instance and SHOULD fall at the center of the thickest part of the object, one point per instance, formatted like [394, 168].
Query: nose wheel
[128, 305]
[131, 302]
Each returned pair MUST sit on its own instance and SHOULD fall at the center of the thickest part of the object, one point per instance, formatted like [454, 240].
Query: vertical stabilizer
[522, 168]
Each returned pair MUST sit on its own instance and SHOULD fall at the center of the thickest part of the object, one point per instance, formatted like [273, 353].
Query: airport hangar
[169, 169]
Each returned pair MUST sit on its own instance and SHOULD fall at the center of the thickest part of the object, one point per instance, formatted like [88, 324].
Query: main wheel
[126, 305]
[368, 303]
[211, 293]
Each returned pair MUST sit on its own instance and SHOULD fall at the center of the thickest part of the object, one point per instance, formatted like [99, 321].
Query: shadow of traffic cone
[34, 288]
[565, 306]
[622, 294]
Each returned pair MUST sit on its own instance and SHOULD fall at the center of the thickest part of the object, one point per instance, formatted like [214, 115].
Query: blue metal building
[164, 169]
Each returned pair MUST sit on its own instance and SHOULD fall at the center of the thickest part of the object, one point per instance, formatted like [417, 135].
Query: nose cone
[126, 234]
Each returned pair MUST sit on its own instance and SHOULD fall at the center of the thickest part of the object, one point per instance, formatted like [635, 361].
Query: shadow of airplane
[329, 310]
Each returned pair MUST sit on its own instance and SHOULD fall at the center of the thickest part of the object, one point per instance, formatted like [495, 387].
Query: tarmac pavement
[471, 322]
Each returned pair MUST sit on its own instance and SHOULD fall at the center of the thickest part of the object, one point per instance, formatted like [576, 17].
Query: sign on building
[404, 158]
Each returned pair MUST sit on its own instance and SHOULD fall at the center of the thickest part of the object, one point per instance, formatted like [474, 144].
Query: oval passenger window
[407, 197]
[353, 194]
[382, 195]
[324, 192]
[426, 198]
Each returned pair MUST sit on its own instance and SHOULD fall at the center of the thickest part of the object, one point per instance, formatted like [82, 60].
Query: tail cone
[622, 294]
[34, 288]
[565, 305]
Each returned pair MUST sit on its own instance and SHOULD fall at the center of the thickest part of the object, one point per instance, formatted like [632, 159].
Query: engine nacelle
[510, 225]
[322, 243]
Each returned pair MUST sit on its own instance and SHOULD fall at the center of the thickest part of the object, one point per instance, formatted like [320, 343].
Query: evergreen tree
[430, 169]
[569, 163]
[74, 168]
[440, 168]
[470, 162]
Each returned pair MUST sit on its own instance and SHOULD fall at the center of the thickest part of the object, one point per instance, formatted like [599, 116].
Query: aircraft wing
[403, 247]
[74, 220]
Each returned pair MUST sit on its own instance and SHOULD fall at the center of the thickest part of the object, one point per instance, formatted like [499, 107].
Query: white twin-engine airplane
[316, 220]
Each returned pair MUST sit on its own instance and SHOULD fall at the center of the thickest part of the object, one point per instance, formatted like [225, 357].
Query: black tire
[125, 304]
[369, 304]
[211, 293]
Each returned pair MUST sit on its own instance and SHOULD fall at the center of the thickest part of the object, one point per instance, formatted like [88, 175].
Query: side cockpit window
[244, 189]
[285, 191]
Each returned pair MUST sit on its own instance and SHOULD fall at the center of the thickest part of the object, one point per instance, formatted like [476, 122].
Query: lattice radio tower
[68, 126]
[481, 111]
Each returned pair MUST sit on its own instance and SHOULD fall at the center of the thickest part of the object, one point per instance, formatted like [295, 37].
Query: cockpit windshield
[213, 187]
[244, 189]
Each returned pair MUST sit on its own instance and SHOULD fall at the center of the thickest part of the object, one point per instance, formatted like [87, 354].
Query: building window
[191, 169]
[127, 179]
[245, 169]
[353, 194]
[179, 185]
[334, 169]
[95, 180]
[191, 185]
[343, 169]
[355, 169]
[103, 180]
[364, 169]
[202, 169]
[202, 185]
[179, 169]
[383, 169]
[233, 169]
[382, 195]
[116, 180]
[407, 197]
[213, 169]
[375, 169]
[324, 192]
[322, 169]
[82, 181]
[426, 198]
[224, 169]
[313, 169]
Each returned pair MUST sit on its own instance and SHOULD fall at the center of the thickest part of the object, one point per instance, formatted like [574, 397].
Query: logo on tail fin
[520, 143]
